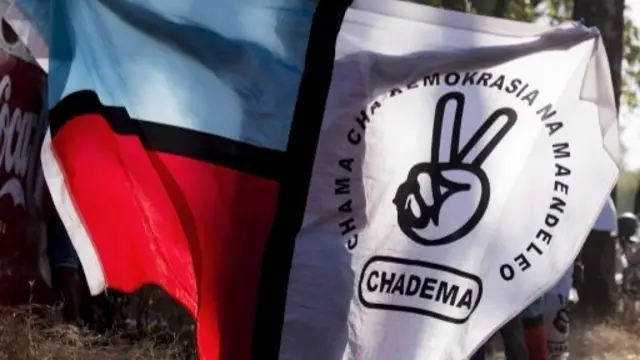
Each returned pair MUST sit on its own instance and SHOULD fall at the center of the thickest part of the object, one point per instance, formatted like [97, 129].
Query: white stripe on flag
[70, 218]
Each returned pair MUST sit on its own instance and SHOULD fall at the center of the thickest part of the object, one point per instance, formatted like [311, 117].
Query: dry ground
[600, 342]
[606, 342]
[616, 338]
[26, 336]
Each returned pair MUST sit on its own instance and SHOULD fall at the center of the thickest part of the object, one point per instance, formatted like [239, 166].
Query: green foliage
[631, 74]
[555, 12]
[626, 191]
[559, 11]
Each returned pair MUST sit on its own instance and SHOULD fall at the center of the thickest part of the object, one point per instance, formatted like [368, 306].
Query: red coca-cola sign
[23, 266]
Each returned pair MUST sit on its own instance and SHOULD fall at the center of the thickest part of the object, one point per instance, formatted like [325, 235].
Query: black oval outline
[424, 264]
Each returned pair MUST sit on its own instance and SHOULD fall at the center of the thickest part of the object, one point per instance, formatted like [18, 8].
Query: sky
[630, 119]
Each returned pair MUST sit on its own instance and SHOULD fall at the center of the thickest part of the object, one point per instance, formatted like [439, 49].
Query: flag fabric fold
[176, 155]
[390, 181]
[32, 35]
[456, 178]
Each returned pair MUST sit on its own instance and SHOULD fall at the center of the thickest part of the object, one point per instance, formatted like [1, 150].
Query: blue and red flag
[182, 136]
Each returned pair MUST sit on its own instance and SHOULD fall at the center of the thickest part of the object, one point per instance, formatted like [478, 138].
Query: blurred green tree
[622, 50]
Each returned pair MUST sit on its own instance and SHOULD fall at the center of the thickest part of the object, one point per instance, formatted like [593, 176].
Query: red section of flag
[195, 228]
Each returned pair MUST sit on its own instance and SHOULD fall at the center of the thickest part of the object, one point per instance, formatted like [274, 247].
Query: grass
[609, 341]
[37, 333]
[612, 338]
[615, 338]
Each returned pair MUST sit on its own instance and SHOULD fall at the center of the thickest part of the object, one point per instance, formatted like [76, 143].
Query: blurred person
[557, 320]
[557, 300]
[535, 333]
[541, 331]
[597, 283]
[513, 337]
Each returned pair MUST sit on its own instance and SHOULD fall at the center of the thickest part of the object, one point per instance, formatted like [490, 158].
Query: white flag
[461, 164]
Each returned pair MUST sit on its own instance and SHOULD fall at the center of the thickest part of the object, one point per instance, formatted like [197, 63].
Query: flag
[461, 163]
[180, 146]
[446, 181]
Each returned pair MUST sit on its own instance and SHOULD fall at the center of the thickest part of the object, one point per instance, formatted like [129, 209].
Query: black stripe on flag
[172, 139]
[300, 156]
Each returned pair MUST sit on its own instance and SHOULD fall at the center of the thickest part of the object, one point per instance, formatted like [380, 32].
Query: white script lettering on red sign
[22, 189]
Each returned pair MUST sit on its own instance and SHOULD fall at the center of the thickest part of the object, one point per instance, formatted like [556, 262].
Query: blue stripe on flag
[226, 67]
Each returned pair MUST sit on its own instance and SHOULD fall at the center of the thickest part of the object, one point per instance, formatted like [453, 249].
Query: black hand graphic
[414, 213]
[441, 190]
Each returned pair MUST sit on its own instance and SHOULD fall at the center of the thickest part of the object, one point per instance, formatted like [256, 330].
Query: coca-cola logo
[19, 135]
[23, 195]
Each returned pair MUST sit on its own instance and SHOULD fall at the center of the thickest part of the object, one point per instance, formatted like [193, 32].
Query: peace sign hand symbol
[431, 186]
